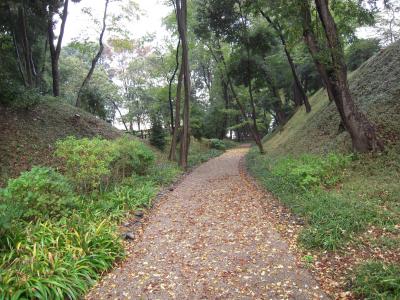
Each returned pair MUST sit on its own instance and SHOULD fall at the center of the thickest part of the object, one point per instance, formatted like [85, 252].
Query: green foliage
[332, 218]
[131, 156]
[39, 193]
[198, 158]
[87, 161]
[157, 134]
[94, 163]
[217, 144]
[164, 173]
[377, 280]
[57, 260]
[360, 51]
[16, 95]
[309, 171]
[57, 250]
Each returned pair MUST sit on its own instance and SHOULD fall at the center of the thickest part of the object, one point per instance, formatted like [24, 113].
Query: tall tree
[334, 73]
[55, 50]
[181, 14]
[95, 59]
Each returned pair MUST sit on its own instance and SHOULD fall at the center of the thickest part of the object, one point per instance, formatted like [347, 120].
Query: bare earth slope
[209, 239]
[27, 136]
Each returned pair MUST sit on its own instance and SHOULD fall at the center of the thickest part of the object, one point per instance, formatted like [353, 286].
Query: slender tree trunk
[171, 105]
[95, 59]
[120, 114]
[254, 133]
[225, 91]
[182, 25]
[55, 50]
[172, 153]
[296, 79]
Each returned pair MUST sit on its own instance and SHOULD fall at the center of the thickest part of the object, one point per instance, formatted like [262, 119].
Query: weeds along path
[209, 239]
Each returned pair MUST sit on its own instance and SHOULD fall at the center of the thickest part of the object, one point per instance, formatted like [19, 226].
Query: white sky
[80, 25]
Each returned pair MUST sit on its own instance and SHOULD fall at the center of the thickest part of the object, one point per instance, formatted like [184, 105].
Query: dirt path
[209, 239]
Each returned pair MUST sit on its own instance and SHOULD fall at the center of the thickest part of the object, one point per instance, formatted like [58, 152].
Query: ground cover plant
[62, 234]
[59, 227]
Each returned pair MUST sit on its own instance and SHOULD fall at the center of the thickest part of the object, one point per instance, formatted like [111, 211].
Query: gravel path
[209, 239]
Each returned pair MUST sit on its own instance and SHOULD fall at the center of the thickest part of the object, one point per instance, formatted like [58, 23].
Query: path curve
[209, 239]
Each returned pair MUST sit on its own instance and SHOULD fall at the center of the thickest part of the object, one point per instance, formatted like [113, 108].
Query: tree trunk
[182, 26]
[172, 152]
[362, 132]
[171, 106]
[95, 59]
[253, 131]
[56, 50]
[300, 88]
[225, 91]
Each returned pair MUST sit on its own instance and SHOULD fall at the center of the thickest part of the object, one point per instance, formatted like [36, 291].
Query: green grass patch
[376, 280]
[333, 216]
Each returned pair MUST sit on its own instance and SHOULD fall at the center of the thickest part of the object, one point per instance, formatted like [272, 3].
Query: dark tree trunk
[181, 7]
[300, 88]
[95, 59]
[174, 142]
[171, 105]
[362, 132]
[225, 91]
[55, 50]
[253, 131]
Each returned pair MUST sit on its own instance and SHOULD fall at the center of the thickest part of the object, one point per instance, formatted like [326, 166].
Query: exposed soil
[209, 238]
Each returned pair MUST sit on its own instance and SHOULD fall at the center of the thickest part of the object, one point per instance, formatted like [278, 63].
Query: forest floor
[210, 238]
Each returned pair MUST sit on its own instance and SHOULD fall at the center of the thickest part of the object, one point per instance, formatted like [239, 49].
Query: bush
[94, 163]
[376, 280]
[16, 95]
[132, 156]
[217, 144]
[87, 161]
[39, 193]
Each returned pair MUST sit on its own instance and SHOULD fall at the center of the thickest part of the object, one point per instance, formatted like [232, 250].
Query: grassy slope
[27, 137]
[370, 184]
[376, 89]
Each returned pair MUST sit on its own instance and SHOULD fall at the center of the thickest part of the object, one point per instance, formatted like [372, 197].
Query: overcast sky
[80, 25]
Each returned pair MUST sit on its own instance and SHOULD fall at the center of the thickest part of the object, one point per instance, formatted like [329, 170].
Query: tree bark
[171, 105]
[55, 50]
[181, 7]
[95, 59]
[172, 152]
[362, 132]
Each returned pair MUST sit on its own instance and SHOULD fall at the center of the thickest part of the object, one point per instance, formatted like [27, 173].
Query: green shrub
[94, 163]
[309, 171]
[16, 95]
[376, 280]
[217, 144]
[39, 193]
[87, 161]
[132, 156]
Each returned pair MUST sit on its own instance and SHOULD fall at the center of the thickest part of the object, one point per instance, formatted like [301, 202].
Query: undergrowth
[310, 186]
[62, 233]
[58, 229]
[377, 280]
